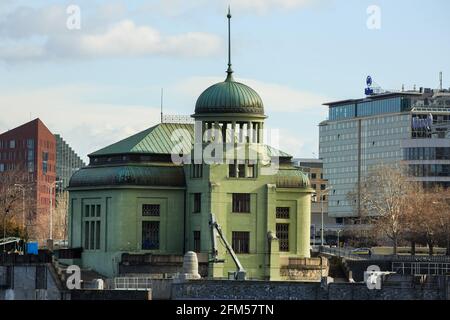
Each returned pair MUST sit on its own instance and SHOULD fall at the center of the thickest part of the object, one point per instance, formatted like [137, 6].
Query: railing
[342, 253]
[132, 283]
[421, 268]
[347, 253]
[8, 240]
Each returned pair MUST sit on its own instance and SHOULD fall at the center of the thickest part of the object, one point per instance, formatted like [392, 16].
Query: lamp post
[322, 193]
[51, 186]
[22, 187]
[338, 233]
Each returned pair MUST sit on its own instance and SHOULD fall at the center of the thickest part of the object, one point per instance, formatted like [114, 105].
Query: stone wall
[304, 269]
[28, 282]
[403, 288]
[86, 295]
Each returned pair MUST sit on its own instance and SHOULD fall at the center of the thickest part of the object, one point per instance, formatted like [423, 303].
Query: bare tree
[12, 201]
[440, 207]
[383, 200]
[60, 222]
[422, 218]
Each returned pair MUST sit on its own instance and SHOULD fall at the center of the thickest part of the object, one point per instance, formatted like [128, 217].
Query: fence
[421, 268]
[132, 283]
[348, 254]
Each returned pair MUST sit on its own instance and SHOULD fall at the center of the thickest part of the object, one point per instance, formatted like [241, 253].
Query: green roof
[292, 178]
[157, 140]
[229, 96]
[140, 175]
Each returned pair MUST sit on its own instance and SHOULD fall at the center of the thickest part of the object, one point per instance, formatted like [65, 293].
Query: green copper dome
[229, 97]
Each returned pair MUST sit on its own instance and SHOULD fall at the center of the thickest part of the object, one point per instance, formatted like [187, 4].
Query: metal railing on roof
[180, 119]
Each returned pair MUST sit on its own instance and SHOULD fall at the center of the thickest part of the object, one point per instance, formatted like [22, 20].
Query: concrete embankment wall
[406, 289]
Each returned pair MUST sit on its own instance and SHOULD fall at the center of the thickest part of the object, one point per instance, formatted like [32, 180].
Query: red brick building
[31, 149]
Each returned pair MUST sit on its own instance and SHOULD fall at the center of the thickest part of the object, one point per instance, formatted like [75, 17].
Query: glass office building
[407, 127]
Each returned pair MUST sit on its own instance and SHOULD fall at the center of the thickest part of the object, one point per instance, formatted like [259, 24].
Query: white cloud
[125, 38]
[265, 6]
[173, 8]
[32, 34]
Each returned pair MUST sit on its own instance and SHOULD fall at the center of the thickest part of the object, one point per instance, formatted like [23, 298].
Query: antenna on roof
[440, 81]
[229, 70]
[162, 103]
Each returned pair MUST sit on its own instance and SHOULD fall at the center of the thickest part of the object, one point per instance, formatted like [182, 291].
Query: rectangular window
[241, 170]
[86, 235]
[197, 240]
[45, 162]
[151, 210]
[241, 242]
[251, 171]
[232, 170]
[92, 227]
[2, 167]
[241, 202]
[12, 144]
[92, 236]
[282, 213]
[313, 176]
[197, 202]
[150, 235]
[197, 171]
[97, 235]
[282, 230]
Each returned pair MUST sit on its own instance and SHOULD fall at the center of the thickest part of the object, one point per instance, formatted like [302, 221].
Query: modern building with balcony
[67, 163]
[410, 127]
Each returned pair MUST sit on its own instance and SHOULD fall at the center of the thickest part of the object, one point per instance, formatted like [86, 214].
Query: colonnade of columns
[237, 131]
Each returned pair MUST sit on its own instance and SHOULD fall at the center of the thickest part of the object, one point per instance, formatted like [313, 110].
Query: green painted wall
[121, 223]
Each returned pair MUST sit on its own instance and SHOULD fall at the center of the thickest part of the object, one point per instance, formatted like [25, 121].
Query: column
[249, 132]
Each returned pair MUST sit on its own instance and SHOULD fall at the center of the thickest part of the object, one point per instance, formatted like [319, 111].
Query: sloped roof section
[158, 140]
[155, 140]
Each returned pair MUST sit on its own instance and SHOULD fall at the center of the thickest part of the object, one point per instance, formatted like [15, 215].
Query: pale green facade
[133, 198]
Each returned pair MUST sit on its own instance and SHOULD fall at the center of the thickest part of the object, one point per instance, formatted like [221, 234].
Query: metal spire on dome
[229, 70]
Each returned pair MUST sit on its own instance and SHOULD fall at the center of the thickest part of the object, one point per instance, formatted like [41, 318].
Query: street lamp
[51, 186]
[22, 187]
[338, 233]
[322, 193]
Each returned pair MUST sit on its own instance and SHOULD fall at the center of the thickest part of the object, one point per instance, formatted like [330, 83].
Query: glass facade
[342, 112]
[350, 148]
[382, 131]
[430, 170]
[412, 154]
[369, 108]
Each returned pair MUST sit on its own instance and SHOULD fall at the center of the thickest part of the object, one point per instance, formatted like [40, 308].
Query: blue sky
[101, 83]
